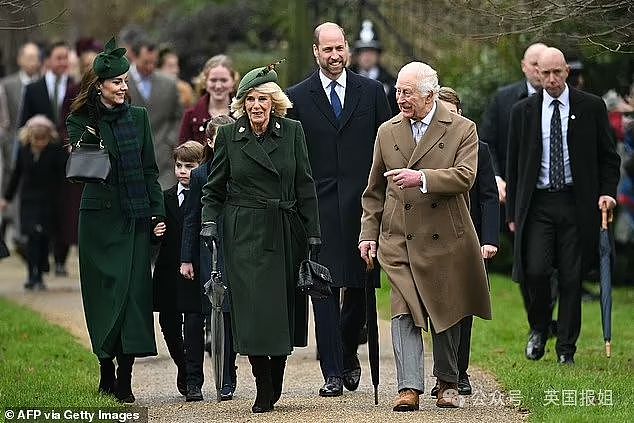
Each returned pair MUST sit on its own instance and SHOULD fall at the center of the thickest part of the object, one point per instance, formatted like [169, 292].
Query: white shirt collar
[564, 98]
[50, 78]
[181, 188]
[26, 79]
[427, 119]
[530, 89]
[134, 72]
[325, 81]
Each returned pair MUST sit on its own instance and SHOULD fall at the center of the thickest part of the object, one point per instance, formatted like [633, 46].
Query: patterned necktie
[417, 129]
[556, 171]
[335, 101]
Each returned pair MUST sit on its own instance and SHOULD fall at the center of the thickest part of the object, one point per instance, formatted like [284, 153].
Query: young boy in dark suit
[485, 214]
[179, 301]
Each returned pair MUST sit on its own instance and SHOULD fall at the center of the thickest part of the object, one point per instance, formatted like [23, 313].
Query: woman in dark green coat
[261, 183]
[114, 222]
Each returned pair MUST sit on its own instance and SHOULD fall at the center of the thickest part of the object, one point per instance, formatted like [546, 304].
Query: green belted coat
[115, 252]
[266, 193]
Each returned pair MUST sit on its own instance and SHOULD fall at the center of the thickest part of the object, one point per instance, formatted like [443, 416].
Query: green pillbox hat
[111, 61]
[257, 76]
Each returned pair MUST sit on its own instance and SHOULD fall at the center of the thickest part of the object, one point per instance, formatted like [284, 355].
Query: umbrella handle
[606, 217]
[608, 349]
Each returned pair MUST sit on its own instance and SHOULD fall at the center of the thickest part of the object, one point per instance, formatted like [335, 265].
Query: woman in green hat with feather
[115, 221]
[261, 183]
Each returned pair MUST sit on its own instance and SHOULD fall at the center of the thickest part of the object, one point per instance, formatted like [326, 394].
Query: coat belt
[276, 210]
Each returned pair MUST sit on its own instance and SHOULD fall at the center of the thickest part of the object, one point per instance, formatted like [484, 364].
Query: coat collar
[404, 140]
[353, 95]
[171, 201]
[259, 152]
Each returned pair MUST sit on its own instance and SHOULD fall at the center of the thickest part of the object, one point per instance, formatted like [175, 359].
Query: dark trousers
[184, 336]
[464, 347]
[37, 254]
[446, 345]
[552, 241]
[60, 251]
[337, 329]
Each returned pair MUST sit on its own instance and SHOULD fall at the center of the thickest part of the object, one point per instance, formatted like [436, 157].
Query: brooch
[241, 129]
[277, 125]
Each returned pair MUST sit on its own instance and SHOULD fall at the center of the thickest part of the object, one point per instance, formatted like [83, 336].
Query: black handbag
[89, 160]
[314, 279]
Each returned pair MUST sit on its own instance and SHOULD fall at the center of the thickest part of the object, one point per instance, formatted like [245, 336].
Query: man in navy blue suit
[340, 112]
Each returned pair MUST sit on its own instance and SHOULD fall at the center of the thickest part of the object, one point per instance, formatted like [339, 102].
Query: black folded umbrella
[606, 258]
[4, 251]
[373, 330]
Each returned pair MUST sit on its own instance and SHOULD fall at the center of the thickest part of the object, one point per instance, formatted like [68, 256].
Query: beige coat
[427, 244]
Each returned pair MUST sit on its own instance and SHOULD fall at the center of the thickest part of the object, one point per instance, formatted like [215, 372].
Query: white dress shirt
[543, 179]
[418, 135]
[180, 193]
[340, 88]
[50, 86]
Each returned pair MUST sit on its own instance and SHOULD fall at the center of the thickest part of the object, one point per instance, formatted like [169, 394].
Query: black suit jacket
[484, 200]
[495, 123]
[172, 292]
[340, 153]
[37, 102]
[593, 161]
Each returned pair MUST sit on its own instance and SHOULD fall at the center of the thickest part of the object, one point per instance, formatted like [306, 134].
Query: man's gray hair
[425, 75]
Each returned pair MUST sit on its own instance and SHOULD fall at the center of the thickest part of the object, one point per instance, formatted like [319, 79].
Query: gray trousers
[408, 353]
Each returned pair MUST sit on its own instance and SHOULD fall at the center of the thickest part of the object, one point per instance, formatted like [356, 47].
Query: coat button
[409, 236]
[435, 236]
[396, 147]
[441, 145]
[434, 205]
[108, 204]
[408, 206]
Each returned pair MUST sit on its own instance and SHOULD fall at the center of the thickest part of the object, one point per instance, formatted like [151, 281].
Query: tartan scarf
[132, 190]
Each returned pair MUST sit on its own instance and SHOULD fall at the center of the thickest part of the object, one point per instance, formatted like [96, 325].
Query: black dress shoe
[257, 408]
[332, 388]
[351, 379]
[535, 347]
[566, 359]
[193, 393]
[464, 386]
[226, 393]
[181, 381]
[60, 270]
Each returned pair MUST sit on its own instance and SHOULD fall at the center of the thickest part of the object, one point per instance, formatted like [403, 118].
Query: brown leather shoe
[448, 396]
[407, 400]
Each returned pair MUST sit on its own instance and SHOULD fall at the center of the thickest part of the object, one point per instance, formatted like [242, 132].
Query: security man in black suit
[340, 112]
[562, 168]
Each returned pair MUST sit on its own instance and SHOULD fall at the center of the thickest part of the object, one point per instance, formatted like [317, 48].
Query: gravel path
[155, 387]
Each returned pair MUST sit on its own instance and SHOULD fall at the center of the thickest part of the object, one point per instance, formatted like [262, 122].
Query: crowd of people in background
[351, 162]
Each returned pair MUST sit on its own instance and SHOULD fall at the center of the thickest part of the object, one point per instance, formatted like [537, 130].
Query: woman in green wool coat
[261, 182]
[115, 222]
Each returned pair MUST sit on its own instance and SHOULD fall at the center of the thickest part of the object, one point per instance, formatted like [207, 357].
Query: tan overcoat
[427, 244]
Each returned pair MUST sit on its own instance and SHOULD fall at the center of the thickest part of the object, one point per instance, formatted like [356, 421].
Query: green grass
[498, 347]
[43, 365]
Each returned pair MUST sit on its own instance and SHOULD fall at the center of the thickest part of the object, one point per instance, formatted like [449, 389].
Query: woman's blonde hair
[281, 103]
[37, 126]
[200, 82]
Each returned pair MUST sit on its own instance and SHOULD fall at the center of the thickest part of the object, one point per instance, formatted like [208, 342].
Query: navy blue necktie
[335, 101]
[556, 170]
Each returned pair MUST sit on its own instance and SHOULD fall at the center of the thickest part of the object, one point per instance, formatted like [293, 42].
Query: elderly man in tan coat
[416, 219]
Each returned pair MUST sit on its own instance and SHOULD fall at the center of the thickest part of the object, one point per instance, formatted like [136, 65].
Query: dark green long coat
[267, 196]
[115, 252]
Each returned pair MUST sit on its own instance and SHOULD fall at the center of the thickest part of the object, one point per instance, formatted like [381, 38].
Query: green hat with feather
[111, 61]
[257, 76]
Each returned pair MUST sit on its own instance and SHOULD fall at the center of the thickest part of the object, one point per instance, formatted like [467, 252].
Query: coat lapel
[171, 200]
[273, 141]
[434, 133]
[403, 138]
[252, 147]
[576, 113]
[318, 95]
[353, 95]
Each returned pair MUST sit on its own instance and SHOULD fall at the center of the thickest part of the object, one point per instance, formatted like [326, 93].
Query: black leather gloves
[314, 245]
[209, 233]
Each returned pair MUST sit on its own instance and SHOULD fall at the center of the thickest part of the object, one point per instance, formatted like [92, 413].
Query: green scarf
[132, 189]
